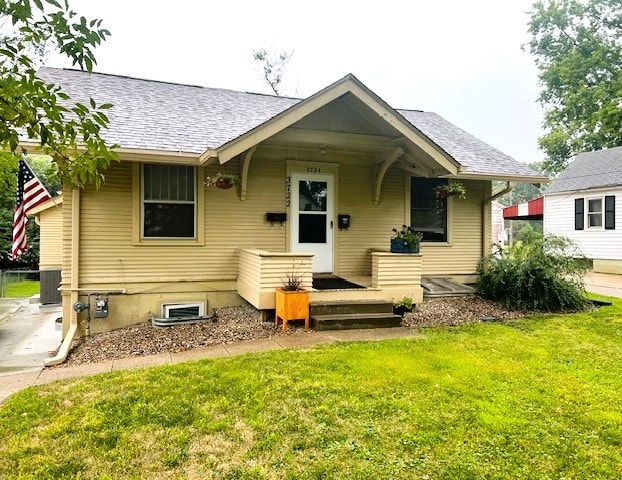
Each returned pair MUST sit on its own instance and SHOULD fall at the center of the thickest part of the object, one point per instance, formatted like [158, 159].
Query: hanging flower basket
[223, 183]
[222, 180]
[451, 189]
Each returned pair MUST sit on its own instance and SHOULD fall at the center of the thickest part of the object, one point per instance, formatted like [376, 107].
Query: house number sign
[288, 191]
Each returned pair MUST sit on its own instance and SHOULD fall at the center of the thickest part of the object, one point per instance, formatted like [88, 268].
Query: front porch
[393, 276]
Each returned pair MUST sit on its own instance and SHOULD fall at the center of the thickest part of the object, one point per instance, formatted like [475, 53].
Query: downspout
[63, 351]
[485, 225]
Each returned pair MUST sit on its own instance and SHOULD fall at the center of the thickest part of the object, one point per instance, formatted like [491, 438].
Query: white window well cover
[182, 310]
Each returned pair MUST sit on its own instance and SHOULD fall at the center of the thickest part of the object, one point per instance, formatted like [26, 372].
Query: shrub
[545, 273]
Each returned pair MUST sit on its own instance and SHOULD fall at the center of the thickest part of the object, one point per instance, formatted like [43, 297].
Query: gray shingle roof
[590, 170]
[470, 151]
[155, 115]
[164, 116]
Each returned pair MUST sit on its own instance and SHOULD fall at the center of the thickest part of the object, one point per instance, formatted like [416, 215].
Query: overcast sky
[459, 59]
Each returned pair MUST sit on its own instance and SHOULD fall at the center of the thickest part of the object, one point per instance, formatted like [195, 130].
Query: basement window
[183, 310]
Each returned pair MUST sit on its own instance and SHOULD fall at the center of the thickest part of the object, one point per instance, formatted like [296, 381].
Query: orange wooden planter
[292, 306]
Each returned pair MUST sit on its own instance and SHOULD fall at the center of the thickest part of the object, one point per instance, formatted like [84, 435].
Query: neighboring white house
[581, 204]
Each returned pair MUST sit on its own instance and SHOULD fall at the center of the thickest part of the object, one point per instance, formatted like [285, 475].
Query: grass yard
[538, 398]
[23, 289]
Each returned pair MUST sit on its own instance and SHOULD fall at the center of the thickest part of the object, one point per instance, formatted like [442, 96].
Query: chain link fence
[19, 283]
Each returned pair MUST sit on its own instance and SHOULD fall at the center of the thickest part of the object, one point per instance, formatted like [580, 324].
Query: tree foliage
[68, 132]
[273, 66]
[539, 273]
[577, 45]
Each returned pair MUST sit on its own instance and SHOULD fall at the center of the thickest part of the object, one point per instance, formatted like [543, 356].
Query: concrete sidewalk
[604, 284]
[12, 383]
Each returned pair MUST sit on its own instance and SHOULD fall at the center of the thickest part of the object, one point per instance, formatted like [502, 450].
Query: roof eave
[535, 179]
[52, 202]
[135, 154]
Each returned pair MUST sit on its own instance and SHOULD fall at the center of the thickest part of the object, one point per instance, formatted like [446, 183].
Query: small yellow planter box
[292, 305]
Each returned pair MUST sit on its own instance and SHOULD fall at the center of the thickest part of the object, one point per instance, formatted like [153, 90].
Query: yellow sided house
[322, 183]
[49, 217]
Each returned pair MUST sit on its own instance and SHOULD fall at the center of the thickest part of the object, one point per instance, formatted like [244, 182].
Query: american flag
[30, 193]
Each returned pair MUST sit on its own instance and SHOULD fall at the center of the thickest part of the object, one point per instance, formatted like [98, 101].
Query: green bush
[545, 274]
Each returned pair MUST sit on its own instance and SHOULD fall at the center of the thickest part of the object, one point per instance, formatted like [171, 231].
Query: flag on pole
[30, 193]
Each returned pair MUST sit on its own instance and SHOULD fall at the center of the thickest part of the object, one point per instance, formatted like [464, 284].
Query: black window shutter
[610, 212]
[578, 214]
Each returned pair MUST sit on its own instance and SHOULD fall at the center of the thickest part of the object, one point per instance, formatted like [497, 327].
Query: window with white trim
[428, 209]
[168, 201]
[595, 212]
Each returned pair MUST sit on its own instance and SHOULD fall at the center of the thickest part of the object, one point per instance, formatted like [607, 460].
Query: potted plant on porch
[402, 306]
[405, 240]
[222, 180]
[292, 300]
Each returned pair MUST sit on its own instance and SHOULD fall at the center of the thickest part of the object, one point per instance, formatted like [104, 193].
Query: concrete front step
[346, 321]
[345, 307]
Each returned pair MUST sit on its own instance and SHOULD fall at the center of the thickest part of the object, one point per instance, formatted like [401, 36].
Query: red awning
[531, 210]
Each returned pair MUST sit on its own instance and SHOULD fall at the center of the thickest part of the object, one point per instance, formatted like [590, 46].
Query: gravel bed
[452, 311]
[244, 323]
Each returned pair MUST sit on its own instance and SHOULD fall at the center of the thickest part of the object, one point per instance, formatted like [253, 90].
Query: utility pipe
[63, 351]
[486, 225]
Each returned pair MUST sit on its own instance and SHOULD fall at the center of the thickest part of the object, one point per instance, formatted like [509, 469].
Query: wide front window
[428, 209]
[168, 201]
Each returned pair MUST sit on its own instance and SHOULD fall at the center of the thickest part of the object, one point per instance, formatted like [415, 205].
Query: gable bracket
[390, 159]
[245, 164]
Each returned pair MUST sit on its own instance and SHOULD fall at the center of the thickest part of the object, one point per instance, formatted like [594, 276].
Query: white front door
[312, 213]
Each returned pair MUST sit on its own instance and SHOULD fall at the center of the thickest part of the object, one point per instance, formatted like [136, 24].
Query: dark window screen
[168, 201]
[428, 210]
[169, 220]
[311, 228]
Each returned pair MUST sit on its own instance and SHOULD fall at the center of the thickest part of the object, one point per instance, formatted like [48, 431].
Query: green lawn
[23, 289]
[538, 398]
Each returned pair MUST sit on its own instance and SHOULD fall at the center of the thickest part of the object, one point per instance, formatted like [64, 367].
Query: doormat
[333, 283]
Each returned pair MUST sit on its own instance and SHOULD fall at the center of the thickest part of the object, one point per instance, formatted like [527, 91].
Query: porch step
[338, 307]
[350, 314]
[347, 321]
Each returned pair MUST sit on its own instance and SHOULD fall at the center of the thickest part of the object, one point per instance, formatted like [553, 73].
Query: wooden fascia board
[501, 177]
[138, 154]
[208, 157]
[157, 156]
[52, 202]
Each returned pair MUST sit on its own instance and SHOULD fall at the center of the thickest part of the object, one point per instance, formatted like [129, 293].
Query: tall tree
[577, 45]
[273, 66]
[68, 132]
